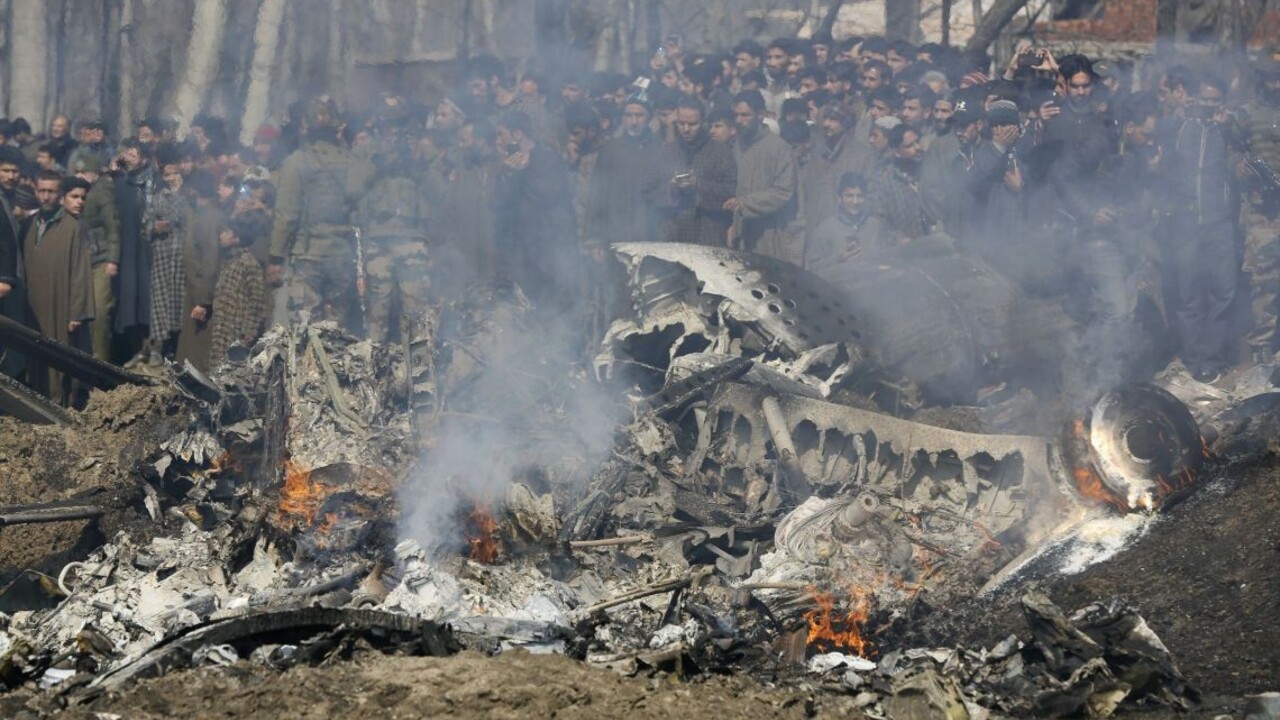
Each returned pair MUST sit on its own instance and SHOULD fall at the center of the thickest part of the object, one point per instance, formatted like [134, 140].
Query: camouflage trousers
[395, 271]
[322, 287]
[1262, 262]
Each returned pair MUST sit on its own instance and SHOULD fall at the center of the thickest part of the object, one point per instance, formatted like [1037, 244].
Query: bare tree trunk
[6, 56]
[126, 70]
[653, 24]
[488, 19]
[337, 46]
[902, 20]
[207, 25]
[946, 22]
[266, 38]
[464, 33]
[833, 14]
[627, 34]
[28, 61]
[995, 20]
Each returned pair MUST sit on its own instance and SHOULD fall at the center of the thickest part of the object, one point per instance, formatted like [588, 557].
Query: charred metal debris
[766, 506]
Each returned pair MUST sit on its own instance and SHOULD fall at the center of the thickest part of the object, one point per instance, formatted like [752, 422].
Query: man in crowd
[59, 285]
[101, 231]
[537, 245]
[136, 185]
[702, 175]
[12, 292]
[765, 198]
[312, 231]
[1261, 125]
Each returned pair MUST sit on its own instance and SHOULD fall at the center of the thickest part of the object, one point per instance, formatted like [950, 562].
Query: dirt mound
[513, 685]
[116, 432]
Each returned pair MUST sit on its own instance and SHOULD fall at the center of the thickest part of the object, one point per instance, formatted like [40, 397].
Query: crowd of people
[1071, 177]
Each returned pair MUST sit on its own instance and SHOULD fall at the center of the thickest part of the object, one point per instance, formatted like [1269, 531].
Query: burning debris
[759, 511]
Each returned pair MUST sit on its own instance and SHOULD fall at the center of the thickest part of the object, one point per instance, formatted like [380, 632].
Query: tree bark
[207, 25]
[28, 64]
[337, 46]
[6, 56]
[124, 118]
[828, 25]
[995, 20]
[266, 38]
[902, 20]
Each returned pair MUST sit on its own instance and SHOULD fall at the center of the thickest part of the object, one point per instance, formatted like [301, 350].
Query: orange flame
[828, 629]
[483, 536]
[1089, 483]
[300, 498]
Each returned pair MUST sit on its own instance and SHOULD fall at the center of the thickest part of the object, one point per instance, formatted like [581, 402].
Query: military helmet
[322, 111]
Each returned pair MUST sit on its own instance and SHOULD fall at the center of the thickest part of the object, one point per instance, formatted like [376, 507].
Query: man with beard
[830, 157]
[765, 199]
[945, 173]
[943, 107]
[59, 286]
[917, 112]
[703, 176]
[626, 184]
[777, 58]
[60, 139]
[12, 293]
[136, 186]
[1260, 120]
[895, 193]
[748, 57]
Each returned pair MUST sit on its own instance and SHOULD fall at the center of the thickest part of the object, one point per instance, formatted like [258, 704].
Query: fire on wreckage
[755, 510]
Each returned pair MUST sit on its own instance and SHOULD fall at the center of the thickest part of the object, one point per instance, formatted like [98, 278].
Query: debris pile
[1101, 659]
[759, 511]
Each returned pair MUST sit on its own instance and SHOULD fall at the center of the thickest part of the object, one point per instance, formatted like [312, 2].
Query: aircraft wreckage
[785, 475]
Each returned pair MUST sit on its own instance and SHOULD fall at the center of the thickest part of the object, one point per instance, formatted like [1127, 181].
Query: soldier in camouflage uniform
[397, 184]
[312, 232]
[102, 230]
[1260, 123]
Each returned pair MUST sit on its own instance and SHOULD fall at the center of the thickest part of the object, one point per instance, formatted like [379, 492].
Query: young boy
[851, 233]
[239, 297]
